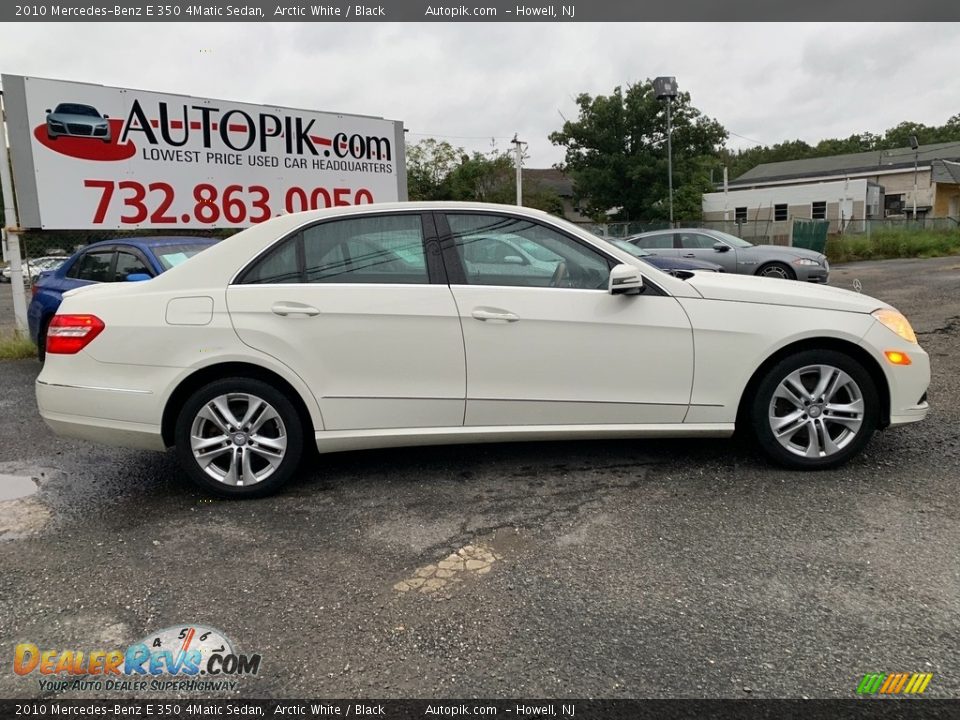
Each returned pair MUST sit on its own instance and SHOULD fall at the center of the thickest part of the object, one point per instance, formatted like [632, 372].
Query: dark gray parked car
[736, 255]
[76, 120]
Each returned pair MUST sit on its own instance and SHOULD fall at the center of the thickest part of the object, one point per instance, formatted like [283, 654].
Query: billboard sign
[91, 157]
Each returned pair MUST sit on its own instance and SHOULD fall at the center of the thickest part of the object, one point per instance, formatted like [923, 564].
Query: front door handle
[293, 308]
[494, 315]
[688, 255]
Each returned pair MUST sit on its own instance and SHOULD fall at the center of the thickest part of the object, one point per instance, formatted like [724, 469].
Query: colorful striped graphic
[894, 683]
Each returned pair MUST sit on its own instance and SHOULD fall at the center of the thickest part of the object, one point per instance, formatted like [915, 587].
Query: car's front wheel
[778, 271]
[239, 438]
[815, 410]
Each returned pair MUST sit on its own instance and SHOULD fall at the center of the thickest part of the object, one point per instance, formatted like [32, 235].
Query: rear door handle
[688, 255]
[495, 315]
[293, 308]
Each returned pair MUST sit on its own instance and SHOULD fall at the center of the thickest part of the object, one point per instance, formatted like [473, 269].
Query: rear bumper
[106, 432]
[118, 405]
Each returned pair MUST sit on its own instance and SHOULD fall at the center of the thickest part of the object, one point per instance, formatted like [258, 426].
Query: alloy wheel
[238, 439]
[816, 411]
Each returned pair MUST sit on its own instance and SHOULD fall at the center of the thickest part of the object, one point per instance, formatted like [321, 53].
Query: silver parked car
[76, 120]
[736, 255]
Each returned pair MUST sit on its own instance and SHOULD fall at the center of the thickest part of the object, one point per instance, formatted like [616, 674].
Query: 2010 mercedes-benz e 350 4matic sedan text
[378, 325]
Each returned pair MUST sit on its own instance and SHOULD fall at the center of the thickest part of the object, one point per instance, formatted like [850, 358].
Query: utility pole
[518, 157]
[726, 195]
[665, 88]
[669, 160]
[916, 154]
[12, 230]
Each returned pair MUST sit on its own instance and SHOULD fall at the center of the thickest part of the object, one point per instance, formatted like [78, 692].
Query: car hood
[770, 291]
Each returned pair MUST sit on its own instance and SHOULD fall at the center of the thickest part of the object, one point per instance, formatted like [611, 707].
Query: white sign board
[89, 157]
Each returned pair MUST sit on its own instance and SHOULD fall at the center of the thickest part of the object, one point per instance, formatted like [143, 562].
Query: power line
[461, 137]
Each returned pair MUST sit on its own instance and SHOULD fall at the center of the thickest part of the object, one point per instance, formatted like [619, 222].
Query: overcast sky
[470, 82]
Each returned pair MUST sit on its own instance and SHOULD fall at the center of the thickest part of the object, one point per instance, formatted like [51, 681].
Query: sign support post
[11, 233]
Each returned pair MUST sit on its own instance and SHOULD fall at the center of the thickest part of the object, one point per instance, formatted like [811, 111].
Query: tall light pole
[916, 154]
[665, 88]
[518, 158]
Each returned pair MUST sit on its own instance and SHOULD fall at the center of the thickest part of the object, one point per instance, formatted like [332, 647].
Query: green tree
[616, 152]
[429, 162]
[439, 171]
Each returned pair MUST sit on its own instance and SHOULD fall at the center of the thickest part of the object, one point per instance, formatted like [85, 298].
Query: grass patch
[888, 244]
[14, 346]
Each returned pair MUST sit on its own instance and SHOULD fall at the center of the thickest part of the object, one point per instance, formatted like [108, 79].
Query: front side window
[652, 242]
[500, 250]
[130, 264]
[94, 266]
[696, 241]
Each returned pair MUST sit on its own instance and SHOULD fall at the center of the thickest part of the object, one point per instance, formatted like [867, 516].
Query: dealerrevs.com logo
[180, 658]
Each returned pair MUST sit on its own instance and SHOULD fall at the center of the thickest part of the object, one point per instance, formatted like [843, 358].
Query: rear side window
[366, 250]
[384, 249]
[93, 266]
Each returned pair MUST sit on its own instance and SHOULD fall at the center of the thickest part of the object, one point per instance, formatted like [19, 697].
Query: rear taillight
[69, 334]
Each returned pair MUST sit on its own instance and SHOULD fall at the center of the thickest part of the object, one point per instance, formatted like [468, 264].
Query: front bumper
[907, 383]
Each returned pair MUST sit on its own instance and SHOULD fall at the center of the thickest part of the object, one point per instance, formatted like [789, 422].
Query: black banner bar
[866, 708]
[327, 11]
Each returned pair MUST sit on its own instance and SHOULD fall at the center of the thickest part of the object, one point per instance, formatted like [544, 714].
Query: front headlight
[896, 321]
[805, 261]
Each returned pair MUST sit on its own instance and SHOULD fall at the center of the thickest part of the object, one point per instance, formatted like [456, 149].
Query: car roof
[156, 241]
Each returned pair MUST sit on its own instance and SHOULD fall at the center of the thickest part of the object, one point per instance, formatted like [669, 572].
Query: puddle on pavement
[14, 487]
[21, 513]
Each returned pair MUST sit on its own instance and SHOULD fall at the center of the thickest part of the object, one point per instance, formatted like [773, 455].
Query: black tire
[838, 426]
[42, 340]
[239, 389]
[777, 270]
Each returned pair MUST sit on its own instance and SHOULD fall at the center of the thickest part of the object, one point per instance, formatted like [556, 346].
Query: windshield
[74, 109]
[172, 255]
[732, 240]
[630, 248]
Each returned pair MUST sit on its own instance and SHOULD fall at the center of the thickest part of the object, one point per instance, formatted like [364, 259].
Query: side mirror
[105, 116]
[137, 277]
[625, 280]
[513, 260]
[720, 247]
[47, 111]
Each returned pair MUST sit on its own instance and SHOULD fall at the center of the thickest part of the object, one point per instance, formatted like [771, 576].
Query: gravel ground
[603, 569]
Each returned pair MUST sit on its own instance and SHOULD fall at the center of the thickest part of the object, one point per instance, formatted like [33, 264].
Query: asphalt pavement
[579, 569]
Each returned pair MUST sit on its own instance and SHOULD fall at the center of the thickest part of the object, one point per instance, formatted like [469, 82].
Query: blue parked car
[105, 261]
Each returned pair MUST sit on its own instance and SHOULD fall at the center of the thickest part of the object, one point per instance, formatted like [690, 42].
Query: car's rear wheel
[239, 438]
[815, 410]
[780, 271]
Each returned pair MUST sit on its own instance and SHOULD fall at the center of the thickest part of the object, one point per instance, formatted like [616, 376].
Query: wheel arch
[846, 347]
[768, 263]
[208, 374]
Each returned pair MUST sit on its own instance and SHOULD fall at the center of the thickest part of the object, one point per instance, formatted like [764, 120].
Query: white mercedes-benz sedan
[421, 323]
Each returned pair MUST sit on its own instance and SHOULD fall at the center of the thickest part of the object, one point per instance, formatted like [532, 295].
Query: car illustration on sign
[77, 120]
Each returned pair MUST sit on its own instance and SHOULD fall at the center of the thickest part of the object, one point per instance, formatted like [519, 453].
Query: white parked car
[368, 327]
